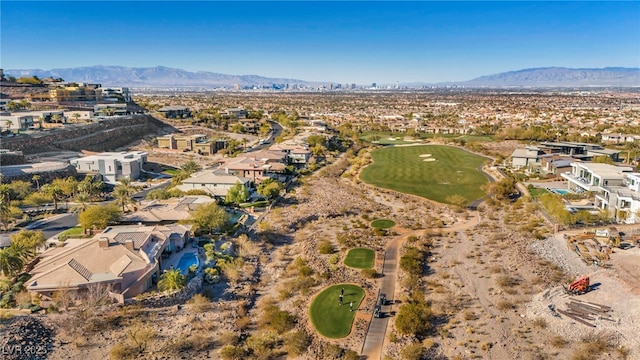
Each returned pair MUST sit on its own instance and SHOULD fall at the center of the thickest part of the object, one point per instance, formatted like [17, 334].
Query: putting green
[360, 258]
[331, 319]
[382, 223]
[453, 174]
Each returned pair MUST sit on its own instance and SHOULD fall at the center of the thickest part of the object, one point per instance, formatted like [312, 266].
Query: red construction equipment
[578, 287]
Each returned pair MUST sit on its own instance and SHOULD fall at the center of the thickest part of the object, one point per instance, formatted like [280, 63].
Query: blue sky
[344, 42]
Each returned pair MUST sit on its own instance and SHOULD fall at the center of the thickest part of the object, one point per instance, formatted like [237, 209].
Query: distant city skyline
[339, 42]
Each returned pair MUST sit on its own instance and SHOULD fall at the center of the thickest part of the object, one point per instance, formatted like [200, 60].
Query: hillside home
[588, 176]
[166, 211]
[215, 182]
[112, 166]
[126, 259]
[175, 112]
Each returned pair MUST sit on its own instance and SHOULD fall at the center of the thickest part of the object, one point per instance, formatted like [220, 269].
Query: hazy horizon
[343, 42]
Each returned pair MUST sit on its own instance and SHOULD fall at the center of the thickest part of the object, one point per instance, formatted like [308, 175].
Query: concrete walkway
[372, 348]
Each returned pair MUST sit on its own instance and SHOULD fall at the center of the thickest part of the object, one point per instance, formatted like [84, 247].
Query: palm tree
[191, 167]
[4, 211]
[172, 280]
[54, 193]
[36, 178]
[124, 192]
[13, 259]
[83, 198]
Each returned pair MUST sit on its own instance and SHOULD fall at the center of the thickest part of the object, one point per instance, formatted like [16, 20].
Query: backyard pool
[561, 191]
[234, 216]
[186, 261]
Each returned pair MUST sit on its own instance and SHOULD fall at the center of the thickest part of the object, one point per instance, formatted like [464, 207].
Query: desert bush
[296, 342]
[504, 305]
[412, 352]
[414, 318]
[540, 323]
[326, 247]
[123, 351]
[200, 303]
[229, 337]
[232, 352]
[558, 341]
[506, 281]
[369, 273]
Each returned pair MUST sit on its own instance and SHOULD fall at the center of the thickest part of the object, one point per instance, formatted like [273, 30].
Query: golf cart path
[376, 334]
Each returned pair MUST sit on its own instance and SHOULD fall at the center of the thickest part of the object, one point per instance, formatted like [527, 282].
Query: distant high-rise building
[353, 86]
[397, 85]
[374, 85]
[236, 87]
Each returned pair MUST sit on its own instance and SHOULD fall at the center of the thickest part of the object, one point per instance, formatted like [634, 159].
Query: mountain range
[161, 76]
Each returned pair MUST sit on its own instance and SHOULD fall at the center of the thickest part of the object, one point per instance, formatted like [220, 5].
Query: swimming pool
[234, 216]
[186, 261]
[561, 191]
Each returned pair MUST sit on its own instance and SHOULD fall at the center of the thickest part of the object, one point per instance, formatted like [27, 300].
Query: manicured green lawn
[382, 224]
[360, 258]
[453, 172]
[73, 231]
[535, 192]
[329, 317]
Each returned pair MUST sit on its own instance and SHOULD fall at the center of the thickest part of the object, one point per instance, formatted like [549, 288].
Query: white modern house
[589, 176]
[622, 201]
[113, 166]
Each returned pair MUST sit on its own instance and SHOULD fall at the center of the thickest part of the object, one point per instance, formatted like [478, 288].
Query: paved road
[372, 348]
[277, 130]
[50, 227]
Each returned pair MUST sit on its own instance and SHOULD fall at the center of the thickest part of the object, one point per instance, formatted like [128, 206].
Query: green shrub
[297, 342]
[369, 273]
[326, 247]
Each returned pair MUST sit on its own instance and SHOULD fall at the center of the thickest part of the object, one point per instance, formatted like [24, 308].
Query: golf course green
[383, 224]
[441, 173]
[331, 319]
[360, 258]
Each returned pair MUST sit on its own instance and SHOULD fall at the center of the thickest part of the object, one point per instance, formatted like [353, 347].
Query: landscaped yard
[329, 317]
[73, 231]
[360, 258]
[535, 192]
[382, 224]
[442, 173]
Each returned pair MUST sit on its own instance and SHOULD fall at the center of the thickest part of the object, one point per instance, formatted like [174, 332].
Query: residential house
[111, 109]
[215, 182]
[17, 121]
[175, 112]
[235, 113]
[126, 259]
[527, 157]
[166, 211]
[555, 164]
[112, 166]
[257, 165]
[622, 201]
[197, 143]
[295, 153]
[589, 176]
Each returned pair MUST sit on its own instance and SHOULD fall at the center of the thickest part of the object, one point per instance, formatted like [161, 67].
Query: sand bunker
[425, 155]
[429, 159]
